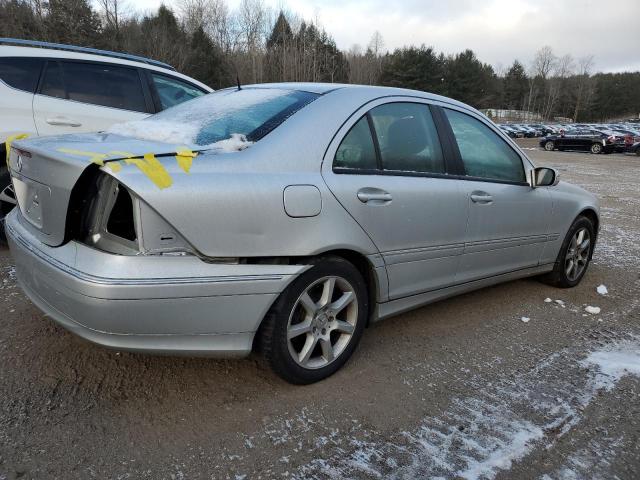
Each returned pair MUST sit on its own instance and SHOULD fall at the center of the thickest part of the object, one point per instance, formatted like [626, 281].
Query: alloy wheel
[549, 146]
[577, 256]
[322, 322]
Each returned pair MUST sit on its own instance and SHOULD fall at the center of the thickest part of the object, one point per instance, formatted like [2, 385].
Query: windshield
[244, 116]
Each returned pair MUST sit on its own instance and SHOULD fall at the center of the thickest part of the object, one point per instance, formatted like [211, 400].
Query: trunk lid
[45, 170]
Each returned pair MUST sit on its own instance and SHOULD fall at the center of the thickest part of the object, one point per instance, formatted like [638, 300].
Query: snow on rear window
[235, 117]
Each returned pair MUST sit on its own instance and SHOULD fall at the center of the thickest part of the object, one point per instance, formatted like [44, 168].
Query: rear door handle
[375, 196]
[63, 122]
[481, 197]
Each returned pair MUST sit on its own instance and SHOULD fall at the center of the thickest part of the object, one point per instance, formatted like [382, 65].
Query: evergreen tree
[515, 86]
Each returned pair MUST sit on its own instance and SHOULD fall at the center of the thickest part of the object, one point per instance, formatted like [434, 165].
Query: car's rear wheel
[5, 205]
[574, 256]
[316, 323]
[596, 148]
[549, 145]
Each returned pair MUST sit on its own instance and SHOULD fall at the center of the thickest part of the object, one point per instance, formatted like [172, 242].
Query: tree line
[253, 43]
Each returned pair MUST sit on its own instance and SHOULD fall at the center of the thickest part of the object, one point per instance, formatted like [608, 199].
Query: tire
[638, 152]
[596, 148]
[572, 263]
[302, 338]
[549, 145]
[5, 208]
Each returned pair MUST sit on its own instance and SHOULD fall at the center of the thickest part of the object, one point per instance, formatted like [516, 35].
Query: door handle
[63, 122]
[374, 196]
[481, 197]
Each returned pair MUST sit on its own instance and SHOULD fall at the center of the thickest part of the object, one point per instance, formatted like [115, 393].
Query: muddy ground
[460, 389]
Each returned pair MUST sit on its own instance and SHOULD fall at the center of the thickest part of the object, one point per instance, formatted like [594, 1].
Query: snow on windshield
[228, 120]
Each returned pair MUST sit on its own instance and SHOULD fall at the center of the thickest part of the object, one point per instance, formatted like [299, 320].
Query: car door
[508, 220]
[389, 170]
[88, 96]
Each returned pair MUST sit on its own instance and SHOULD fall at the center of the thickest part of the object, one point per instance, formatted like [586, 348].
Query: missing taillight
[120, 222]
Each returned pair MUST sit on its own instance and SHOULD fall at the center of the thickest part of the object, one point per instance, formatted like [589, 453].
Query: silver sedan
[284, 218]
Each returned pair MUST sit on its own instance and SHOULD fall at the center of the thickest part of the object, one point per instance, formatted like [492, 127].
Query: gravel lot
[460, 389]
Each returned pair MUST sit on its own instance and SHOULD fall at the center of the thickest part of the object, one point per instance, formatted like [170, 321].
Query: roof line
[92, 51]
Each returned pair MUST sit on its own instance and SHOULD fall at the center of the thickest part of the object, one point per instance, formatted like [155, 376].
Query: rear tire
[316, 323]
[574, 256]
[5, 207]
[549, 146]
[596, 148]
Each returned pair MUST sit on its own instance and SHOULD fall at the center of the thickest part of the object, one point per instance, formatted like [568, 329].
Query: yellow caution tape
[97, 158]
[185, 157]
[13, 138]
[115, 167]
[153, 169]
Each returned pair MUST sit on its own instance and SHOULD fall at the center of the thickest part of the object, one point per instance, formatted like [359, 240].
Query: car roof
[38, 52]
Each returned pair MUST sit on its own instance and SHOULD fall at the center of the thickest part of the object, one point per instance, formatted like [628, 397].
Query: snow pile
[547, 300]
[602, 290]
[525, 319]
[592, 310]
[157, 131]
[235, 143]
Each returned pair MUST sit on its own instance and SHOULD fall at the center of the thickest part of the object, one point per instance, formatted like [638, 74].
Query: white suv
[49, 89]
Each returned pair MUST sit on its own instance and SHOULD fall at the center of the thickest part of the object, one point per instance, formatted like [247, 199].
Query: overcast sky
[499, 31]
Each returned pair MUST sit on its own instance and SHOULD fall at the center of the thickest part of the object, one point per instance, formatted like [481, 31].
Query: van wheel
[574, 256]
[596, 148]
[316, 323]
[5, 206]
[549, 145]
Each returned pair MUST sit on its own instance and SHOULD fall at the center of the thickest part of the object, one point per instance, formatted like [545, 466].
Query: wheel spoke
[345, 300]
[579, 237]
[569, 268]
[307, 349]
[584, 245]
[298, 329]
[308, 304]
[327, 291]
[327, 349]
[344, 327]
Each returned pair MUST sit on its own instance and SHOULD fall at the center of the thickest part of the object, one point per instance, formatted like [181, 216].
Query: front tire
[316, 323]
[574, 256]
[596, 148]
[549, 146]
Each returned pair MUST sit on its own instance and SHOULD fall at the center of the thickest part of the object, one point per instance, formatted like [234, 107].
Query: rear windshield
[250, 114]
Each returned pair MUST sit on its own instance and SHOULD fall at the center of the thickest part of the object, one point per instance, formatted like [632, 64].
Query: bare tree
[585, 86]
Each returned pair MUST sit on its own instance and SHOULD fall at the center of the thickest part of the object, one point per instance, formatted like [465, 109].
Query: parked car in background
[50, 89]
[584, 140]
[284, 218]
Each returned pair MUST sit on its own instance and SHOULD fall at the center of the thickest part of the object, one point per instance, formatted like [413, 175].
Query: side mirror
[544, 177]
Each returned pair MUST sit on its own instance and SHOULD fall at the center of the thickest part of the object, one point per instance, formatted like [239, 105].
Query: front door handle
[63, 122]
[481, 197]
[375, 196]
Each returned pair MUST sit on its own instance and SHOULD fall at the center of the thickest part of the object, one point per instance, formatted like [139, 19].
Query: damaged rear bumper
[178, 305]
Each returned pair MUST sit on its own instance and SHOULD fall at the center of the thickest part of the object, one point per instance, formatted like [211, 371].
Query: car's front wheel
[574, 256]
[596, 148]
[316, 323]
[549, 145]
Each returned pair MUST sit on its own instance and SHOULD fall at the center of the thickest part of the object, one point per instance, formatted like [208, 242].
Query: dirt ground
[465, 388]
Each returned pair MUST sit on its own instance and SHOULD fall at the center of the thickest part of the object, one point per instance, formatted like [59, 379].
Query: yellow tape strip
[185, 157]
[153, 169]
[97, 158]
[13, 138]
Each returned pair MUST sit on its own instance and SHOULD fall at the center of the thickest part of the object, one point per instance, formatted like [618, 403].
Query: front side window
[21, 73]
[172, 91]
[357, 150]
[104, 84]
[408, 138]
[484, 154]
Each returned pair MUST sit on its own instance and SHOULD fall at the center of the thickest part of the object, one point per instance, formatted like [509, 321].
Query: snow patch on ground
[592, 310]
[525, 319]
[602, 290]
[477, 437]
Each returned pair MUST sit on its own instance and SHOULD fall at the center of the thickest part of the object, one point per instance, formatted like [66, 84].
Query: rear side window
[105, 85]
[483, 152]
[52, 82]
[357, 150]
[408, 138]
[22, 73]
[173, 92]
